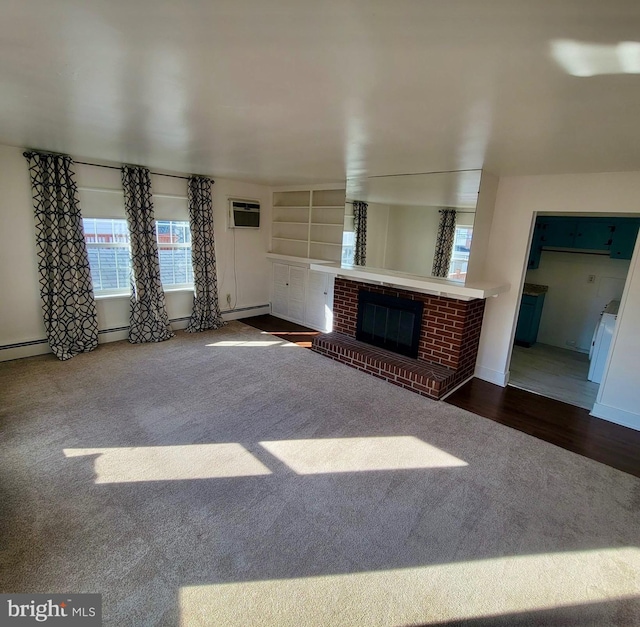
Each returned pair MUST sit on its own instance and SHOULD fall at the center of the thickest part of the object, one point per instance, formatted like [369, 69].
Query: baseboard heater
[120, 329]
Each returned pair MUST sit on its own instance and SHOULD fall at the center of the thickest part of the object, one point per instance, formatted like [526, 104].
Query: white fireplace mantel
[426, 285]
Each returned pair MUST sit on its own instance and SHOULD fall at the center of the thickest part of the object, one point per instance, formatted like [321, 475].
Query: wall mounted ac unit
[244, 214]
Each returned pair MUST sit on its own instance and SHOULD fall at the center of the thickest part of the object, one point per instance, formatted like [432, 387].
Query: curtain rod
[113, 167]
[109, 167]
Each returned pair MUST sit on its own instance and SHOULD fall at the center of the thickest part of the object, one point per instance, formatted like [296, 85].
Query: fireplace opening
[389, 322]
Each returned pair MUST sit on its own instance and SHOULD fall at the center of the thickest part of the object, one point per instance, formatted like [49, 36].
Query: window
[460, 254]
[109, 254]
[348, 247]
[108, 247]
[174, 251]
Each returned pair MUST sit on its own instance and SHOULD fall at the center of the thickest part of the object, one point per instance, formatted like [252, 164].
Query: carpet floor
[233, 478]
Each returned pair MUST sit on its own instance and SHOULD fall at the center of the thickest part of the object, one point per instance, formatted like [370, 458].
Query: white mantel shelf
[305, 261]
[428, 285]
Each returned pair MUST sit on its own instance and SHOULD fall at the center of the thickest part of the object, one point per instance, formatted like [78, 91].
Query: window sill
[169, 290]
[99, 296]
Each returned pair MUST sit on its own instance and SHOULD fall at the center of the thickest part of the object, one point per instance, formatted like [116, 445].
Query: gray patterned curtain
[66, 291]
[360, 228]
[444, 243]
[206, 310]
[148, 318]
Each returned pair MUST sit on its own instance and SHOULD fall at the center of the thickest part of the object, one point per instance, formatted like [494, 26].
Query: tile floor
[553, 372]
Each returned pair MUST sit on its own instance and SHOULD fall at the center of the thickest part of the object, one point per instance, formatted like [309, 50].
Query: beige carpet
[230, 478]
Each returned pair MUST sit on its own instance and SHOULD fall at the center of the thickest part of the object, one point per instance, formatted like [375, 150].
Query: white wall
[242, 268]
[377, 224]
[518, 199]
[20, 312]
[411, 239]
[482, 225]
[619, 394]
[572, 306]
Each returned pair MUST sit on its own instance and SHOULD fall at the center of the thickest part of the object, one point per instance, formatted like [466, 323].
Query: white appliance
[602, 341]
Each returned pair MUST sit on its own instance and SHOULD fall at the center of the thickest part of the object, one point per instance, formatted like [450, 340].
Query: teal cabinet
[594, 233]
[529, 319]
[535, 252]
[581, 233]
[617, 236]
[558, 232]
[623, 238]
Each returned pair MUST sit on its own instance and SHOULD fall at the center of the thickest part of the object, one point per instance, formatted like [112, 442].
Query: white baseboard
[41, 346]
[113, 335]
[492, 376]
[246, 312]
[25, 349]
[619, 416]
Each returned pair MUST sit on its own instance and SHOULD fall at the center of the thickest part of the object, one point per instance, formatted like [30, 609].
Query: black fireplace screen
[389, 322]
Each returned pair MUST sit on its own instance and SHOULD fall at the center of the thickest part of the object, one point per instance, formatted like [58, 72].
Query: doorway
[577, 268]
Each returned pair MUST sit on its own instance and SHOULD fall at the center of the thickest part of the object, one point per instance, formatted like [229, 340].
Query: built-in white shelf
[305, 261]
[308, 222]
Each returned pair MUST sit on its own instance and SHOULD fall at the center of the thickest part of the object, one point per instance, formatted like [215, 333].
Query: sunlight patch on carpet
[328, 455]
[171, 463]
[427, 594]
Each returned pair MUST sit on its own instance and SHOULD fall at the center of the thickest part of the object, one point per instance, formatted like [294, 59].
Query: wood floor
[566, 426]
[290, 331]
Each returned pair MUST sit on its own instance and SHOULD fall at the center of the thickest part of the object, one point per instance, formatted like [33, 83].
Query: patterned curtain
[148, 318]
[360, 228]
[206, 311]
[66, 291]
[444, 243]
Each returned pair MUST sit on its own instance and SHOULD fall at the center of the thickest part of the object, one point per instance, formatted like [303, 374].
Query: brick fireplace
[447, 348]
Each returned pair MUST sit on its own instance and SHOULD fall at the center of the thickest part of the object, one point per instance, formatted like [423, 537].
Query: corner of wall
[492, 376]
[482, 225]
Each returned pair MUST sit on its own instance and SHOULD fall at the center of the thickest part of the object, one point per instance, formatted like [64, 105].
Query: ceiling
[436, 189]
[287, 91]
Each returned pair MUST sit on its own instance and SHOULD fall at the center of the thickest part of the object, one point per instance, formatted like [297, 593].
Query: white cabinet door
[317, 300]
[302, 295]
[297, 281]
[280, 300]
[289, 292]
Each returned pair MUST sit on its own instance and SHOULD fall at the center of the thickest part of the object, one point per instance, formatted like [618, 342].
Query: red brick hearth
[449, 339]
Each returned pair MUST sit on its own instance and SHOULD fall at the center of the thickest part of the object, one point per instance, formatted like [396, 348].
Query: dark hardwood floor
[569, 427]
[566, 426]
[290, 331]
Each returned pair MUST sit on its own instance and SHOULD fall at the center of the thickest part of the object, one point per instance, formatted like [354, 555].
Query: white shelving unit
[308, 223]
